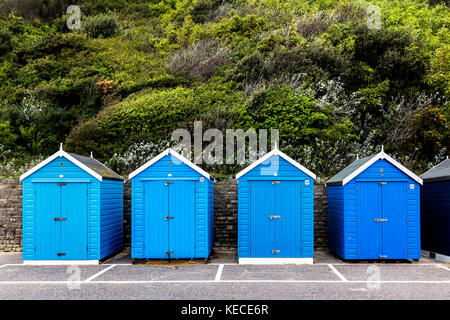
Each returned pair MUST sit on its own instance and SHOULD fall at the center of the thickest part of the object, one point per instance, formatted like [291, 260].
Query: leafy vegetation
[334, 85]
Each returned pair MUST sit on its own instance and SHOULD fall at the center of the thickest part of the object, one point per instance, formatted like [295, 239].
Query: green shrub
[101, 26]
[5, 42]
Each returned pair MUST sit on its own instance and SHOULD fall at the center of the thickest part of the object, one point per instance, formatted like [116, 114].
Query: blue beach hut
[172, 209]
[72, 211]
[275, 211]
[374, 210]
[435, 208]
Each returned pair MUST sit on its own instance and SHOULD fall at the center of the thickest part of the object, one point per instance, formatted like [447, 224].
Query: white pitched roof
[276, 152]
[381, 156]
[64, 154]
[175, 154]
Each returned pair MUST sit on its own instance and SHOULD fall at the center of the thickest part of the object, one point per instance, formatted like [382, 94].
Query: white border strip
[441, 266]
[340, 276]
[60, 262]
[275, 260]
[99, 273]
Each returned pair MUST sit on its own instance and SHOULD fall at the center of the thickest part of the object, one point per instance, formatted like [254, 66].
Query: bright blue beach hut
[275, 211]
[374, 210]
[72, 211]
[435, 209]
[172, 209]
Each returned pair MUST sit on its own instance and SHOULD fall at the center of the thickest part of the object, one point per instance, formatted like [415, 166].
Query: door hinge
[406, 220]
[357, 220]
[356, 188]
[381, 220]
[274, 217]
[87, 248]
[60, 219]
[61, 183]
[59, 254]
[275, 251]
[357, 252]
[169, 217]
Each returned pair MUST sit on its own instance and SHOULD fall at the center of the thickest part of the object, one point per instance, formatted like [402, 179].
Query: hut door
[275, 219]
[48, 231]
[370, 232]
[169, 219]
[156, 206]
[61, 221]
[263, 219]
[383, 226]
[181, 219]
[73, 222]
[394, 225]
[288, 226]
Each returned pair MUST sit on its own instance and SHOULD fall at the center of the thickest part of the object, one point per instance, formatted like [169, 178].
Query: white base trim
[442, 258]
[275, 260]
[60, 262]
[437, 256]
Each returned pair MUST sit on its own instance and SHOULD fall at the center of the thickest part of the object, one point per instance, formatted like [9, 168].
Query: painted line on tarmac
[441, 266]
[336, 272]
[99, 273]
[219, 273]
[225, 281]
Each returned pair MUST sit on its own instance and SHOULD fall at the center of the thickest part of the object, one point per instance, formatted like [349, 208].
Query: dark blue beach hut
[72, 211]
[374, 210]
[172, 209]
[435, 208]
[275, 211]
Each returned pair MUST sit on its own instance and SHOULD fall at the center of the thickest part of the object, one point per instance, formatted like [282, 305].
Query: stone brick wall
[320, 215]
[127, 214]
[225, 215]
[10, 215]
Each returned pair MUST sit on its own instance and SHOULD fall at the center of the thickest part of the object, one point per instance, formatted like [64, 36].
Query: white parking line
[99, 273]
[5, 265]
[219, 273]
[337, 273]
[441, 266]
[222, 281]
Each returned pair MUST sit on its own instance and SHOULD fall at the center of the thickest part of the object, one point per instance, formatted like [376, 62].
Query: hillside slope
[335, 77]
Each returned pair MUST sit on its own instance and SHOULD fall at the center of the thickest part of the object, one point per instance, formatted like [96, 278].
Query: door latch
[60, 219]
[169, 217]
[382, 182]
[382, 257]
[59, 254]
[275, 182]
[381, 220]
[169, 252]
[168, 182]
[274, 217]
[275, 251]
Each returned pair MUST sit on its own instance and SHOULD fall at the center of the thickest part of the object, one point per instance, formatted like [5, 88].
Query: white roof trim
[276, 152]
[64, 154]
[175, 154]
[388, 158]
